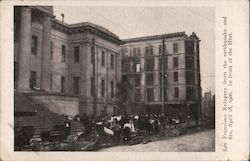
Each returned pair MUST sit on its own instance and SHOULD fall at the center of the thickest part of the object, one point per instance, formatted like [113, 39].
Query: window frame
[103, 58]
[112, 61]
[175, 47]
[63, 54]
[63, 82]
[175, 62]
[76, 85]
[34, 45]
[176, 76]
[176, 92]
[76, 54]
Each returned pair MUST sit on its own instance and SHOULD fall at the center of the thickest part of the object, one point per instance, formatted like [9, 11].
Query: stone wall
[62, 105]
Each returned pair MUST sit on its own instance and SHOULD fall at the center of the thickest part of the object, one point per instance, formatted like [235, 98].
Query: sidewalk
[202, 141]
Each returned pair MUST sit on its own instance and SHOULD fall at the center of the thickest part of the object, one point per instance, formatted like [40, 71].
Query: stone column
[46, 51]
[24, 49]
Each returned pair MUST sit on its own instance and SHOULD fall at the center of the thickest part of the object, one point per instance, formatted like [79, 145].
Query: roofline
[161, 36]
[86, 25]
[155, 37]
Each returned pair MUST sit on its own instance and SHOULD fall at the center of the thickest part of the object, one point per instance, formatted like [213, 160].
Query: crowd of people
[122, 128]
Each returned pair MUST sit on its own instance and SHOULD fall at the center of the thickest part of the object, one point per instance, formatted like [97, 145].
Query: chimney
[62, 17]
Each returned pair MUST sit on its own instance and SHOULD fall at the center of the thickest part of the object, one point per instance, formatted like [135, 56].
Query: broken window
[137, 80]
[150, 94]
[149, 79]
[149, 64]
[189, 62]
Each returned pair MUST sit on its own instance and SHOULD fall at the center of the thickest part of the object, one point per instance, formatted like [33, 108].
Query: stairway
[43, 119]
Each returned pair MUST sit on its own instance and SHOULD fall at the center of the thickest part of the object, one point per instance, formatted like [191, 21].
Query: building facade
[56, 59]
[169, 62]
[74, 68]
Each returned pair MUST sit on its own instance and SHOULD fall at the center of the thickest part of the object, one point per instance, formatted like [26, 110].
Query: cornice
[85, 27]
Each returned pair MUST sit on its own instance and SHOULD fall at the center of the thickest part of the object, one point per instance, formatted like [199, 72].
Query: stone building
[142, 66]
[53, 62]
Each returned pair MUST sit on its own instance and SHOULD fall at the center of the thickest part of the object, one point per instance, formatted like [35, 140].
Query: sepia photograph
[114, 78]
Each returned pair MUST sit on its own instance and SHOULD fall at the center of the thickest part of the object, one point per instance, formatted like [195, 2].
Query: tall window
[125, 66]
[76, 82]
[112, 60]
[124, 52]
[51, 50]
[138, 51]
[176, 92]
[134, 52]
[103, 58]
[62, 84]
[76, 54]
[150, 94]
[149, 64]
[151, 50]
[103, 88]
[112, 89]
[34, 45]
[175, 60]
[137, 67]
[146, 50]
[160, 49]
[176, 76]
[137, 80]
[63, 53]
[32, 79]
[149, 79]
[175, 47]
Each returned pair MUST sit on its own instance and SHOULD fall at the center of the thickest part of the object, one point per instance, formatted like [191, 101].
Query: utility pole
[94, 76]
[163, 77]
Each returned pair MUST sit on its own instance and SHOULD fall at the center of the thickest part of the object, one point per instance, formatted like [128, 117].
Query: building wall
[59, 68]
[105, 73]
[64, 35]
[169, 53]
[69, 69]
[181, 84]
